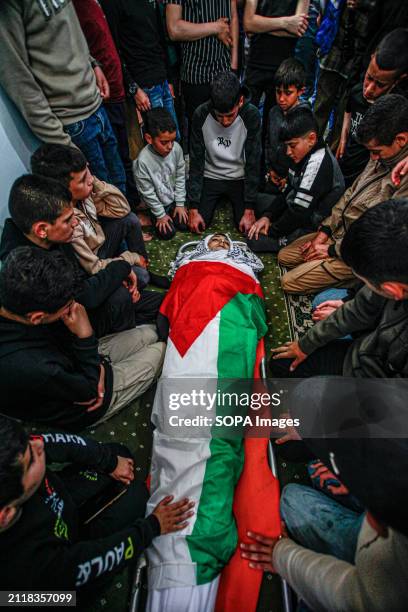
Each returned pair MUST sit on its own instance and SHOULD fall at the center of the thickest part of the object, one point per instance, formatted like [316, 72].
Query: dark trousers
[174, 223]
[118, 313]
[326, 361]
[124, 230]
[193, 96]
[120, 515]
[259, 84]
[117, 116]
[330, 87]
[214, 190]
[286, 223]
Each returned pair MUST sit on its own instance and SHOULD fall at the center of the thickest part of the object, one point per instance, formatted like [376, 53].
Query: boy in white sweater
[161, 175]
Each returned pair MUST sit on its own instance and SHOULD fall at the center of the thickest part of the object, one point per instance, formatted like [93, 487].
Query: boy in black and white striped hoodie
[314, 185]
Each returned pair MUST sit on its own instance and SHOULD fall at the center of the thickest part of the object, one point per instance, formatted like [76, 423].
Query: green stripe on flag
[214, 537]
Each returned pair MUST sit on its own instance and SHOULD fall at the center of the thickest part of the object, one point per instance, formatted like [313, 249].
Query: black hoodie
[92, 291]
[45, 548]
[45, 370]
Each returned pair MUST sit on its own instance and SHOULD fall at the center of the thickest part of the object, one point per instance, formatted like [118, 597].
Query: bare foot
[147, 237]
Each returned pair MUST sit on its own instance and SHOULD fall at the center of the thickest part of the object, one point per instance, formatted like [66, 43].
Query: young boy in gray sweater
[161, 175]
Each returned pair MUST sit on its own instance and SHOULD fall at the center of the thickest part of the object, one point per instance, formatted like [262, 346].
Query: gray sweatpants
[137, 358]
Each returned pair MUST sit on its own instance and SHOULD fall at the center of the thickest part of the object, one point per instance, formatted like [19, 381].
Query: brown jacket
[372, 187]
[106, 200]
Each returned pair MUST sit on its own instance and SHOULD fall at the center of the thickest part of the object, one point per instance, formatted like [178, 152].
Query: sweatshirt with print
[45, 66]
[161, 181]
[44, 549]
[225, 153]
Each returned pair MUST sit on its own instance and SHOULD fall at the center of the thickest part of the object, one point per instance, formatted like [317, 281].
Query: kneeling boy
[161, 174]
[314, 187]
[225, 155]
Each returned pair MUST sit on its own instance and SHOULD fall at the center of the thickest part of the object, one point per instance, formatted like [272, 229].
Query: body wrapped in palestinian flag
[216, 320]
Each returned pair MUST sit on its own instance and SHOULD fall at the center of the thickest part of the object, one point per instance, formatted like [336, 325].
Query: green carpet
[161, 253]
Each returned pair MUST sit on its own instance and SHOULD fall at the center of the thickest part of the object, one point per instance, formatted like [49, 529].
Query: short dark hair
[298, 122]
[57, 161]
[159, 120]
[33, 279]
[386, 118]
[14, 442]
[291, 73]
[37, 198]
[226, 91]
[392, 52]
[376, 245]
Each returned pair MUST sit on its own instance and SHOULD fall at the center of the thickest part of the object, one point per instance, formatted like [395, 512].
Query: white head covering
[237, 253]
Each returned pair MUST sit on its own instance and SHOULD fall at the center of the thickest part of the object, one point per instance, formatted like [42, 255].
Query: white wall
[17, 143]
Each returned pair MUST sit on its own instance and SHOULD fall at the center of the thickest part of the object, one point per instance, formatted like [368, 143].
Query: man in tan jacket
[314, 260]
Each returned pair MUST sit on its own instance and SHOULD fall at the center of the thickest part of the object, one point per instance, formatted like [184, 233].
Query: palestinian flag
[216, 319]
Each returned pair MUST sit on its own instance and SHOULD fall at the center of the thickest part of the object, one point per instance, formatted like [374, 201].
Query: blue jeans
[160, 96]
[95, 137]
[328, 294]
[320, 523]
[306, 49]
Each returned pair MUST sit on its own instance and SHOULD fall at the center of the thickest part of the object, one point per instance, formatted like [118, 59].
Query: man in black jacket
[50, 367]
[42, 216]
[45, 542]
[225, 154]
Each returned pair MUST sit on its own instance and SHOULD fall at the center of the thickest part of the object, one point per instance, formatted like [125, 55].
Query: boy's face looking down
[81, 184]
[33, 464]
[60, 231]
[218, 242]
[287, 97]
[162, 143]
[298, 148]
[227, 119]
[378, 82]
[379, 151]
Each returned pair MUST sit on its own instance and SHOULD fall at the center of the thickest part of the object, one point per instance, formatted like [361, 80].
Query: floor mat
[299, 311]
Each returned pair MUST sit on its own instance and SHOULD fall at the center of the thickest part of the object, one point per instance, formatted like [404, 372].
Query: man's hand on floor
[290, 350]
[180, 213]
[164, 225]
[196, 223]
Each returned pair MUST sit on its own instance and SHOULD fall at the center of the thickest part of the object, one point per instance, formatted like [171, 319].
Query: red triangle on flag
[198, 292]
